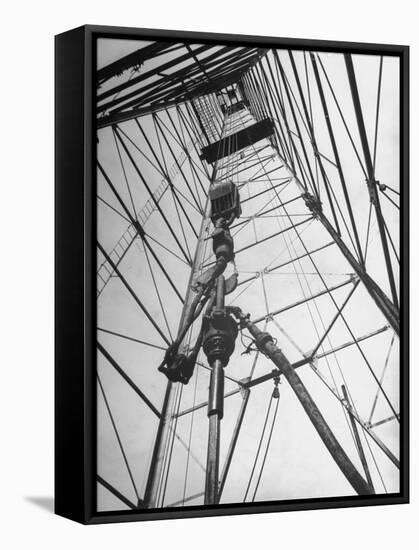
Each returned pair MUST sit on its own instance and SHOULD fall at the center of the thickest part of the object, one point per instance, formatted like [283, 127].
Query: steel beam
[133, 294]
[309, 358]
[382, 301]
[336, 451]
[372, 183]
[118, 494]
[238, 141]
[127, 379]
[291, 261]
[163, 431]
[131, 60]
[300, 302]
[358, 442]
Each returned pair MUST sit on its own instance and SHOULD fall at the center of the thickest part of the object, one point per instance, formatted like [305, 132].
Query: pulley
[276, 379]
[225, 202]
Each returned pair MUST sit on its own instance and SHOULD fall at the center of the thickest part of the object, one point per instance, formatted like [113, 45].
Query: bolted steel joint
[313, 204]
[372, 190]
[225, 203]
[139, 228]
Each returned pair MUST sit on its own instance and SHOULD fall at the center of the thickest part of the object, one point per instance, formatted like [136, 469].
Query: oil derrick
[224, 144]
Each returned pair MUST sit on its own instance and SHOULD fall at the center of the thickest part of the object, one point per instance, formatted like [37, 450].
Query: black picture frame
[75, 222]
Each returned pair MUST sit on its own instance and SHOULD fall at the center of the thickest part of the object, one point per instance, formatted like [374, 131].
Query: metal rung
[109, 271]
[144, 214]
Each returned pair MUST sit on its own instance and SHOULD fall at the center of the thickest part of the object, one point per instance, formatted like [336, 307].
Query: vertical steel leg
[157, 460]
[359, 446]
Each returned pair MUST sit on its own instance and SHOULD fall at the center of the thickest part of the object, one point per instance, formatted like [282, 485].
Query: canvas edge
[75, 495]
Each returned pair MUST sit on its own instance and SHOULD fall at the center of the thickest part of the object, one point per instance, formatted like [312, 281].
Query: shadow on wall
[46, 503]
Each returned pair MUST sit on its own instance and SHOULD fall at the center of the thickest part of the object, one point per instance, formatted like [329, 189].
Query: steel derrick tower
[250, 251]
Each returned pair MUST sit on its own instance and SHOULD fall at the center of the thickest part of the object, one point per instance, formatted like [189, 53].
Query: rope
[274, 396]
[267, 449]
[258, 449]
[190, 439]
